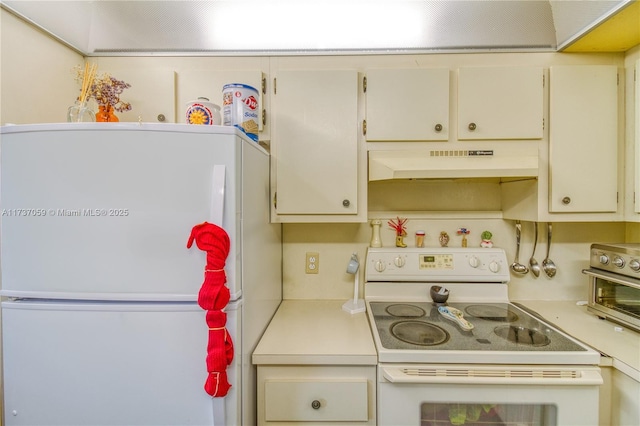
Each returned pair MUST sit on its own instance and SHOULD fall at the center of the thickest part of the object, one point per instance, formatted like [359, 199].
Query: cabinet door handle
[472, 126]
[316, 404]
[346, 203]
[438, 127]
[566, 200]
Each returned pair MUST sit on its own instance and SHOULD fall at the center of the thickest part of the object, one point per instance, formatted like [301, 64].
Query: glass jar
[80, 113]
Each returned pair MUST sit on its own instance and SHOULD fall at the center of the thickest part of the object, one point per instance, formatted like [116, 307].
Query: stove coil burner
[419, 333]
[522, 335]
[405, 311]
[491, 313]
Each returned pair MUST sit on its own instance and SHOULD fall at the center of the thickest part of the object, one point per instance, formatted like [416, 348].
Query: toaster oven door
[614, 297]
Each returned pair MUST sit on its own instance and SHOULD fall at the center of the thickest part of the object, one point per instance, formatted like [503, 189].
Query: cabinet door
[635, 167]
[500, 103]
[208, 83]
[407, 104]
[315, 143]
[151, 95]
[583, 138]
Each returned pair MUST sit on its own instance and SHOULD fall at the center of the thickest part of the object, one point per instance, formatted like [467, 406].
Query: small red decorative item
[401, 230]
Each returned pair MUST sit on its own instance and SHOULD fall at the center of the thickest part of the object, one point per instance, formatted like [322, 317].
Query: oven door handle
[538, 375]
[609, 276]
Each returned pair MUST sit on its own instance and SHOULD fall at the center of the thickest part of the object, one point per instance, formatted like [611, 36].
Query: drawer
[316, 400]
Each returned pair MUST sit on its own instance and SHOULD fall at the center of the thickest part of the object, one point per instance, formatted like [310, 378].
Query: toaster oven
[614, 283]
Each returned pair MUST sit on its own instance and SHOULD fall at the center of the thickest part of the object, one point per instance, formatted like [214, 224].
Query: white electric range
[475, 357]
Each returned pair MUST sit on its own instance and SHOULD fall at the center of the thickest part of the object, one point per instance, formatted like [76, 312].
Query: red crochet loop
[213, 297]
[219, 354]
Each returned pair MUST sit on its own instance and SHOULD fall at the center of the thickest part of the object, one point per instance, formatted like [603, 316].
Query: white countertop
[610, 339]
[316, 332]
[319, 332]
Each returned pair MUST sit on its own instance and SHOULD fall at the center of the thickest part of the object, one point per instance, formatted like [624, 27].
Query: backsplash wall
[335, 243]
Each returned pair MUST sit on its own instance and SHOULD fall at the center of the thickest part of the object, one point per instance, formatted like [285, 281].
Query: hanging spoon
[533, 263]
[548, 266]
[516, 266]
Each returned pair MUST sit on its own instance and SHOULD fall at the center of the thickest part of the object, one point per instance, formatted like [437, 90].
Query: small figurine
[464, 232]
[375, 233]
[486, 239]
[401, 230]
[444, 239]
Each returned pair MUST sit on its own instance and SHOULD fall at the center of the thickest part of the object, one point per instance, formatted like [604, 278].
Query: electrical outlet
[312, 263]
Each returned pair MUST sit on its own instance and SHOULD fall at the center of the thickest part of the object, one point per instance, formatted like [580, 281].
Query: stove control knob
[379, 265]
[618, 261]
[474, 262]
[494, 267]
[635, 265]
[399, 261]
[604, 259]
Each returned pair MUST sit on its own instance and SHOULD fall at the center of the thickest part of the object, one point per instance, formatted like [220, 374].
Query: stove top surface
[501, 332]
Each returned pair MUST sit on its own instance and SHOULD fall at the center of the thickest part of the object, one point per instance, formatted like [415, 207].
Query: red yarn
[213, 297]
[212, 239]
[213, 294]
[219, 354]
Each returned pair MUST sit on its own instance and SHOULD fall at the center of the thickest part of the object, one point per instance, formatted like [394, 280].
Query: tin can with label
[201, 111]
[240, 108]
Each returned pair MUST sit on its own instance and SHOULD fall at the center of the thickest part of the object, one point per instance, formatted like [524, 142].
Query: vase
[105, 114]
[80, 113]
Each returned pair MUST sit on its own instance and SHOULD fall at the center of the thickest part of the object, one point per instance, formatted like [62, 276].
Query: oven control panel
[621, 259]
[433, 264]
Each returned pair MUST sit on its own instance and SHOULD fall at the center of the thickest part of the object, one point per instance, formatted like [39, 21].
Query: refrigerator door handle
[217, 194]
[219, 412]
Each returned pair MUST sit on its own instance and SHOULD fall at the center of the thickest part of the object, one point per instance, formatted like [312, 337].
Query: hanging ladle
[548, 266]
[516, 266]
[533, 263]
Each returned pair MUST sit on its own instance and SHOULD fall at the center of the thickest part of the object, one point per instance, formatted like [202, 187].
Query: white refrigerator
[100, 321]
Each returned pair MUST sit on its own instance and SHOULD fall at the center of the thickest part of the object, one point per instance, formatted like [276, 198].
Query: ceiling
[619, 33]
[113, 27]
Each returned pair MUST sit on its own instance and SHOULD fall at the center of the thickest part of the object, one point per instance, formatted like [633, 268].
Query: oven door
[430, 395]
[614, 297]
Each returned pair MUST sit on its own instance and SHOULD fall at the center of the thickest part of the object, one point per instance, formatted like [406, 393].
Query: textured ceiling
[104, 27]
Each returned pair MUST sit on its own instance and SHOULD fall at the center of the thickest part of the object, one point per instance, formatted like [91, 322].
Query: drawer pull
[315, 404]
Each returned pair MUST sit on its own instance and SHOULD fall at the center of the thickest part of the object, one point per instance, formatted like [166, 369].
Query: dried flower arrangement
[105, 89]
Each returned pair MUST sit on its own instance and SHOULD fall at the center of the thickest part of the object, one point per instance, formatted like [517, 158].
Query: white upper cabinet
[634, 158]
[315, 157]
[407, 104]
[583, 138]
[500, 103]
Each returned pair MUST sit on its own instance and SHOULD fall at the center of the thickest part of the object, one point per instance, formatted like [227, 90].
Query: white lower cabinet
[342, 395]
[625, 400]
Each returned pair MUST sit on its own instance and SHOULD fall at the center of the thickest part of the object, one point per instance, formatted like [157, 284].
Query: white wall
[36, 79]
[39, 87]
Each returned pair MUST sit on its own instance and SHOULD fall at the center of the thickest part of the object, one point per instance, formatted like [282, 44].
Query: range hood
[451, 164]
[250, 27]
